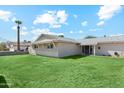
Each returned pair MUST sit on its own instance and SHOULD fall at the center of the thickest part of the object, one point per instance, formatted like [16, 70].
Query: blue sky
[72, 21]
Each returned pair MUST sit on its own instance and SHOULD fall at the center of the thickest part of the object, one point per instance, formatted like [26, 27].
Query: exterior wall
[110, 49]
[68, 49]
[59, 50]
[47, 52]
[43, 50]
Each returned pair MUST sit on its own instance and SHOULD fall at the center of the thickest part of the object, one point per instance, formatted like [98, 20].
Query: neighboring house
[23, 45]
[53, 45]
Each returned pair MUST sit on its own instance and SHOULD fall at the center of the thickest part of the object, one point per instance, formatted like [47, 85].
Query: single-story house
[56, 46]
[53, 45]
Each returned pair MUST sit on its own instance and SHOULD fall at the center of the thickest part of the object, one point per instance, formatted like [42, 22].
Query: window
[99, 47]
[49, 46]
[35, 46]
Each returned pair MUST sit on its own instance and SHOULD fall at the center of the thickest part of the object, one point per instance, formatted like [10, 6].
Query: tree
[3, 46]
[87, 37]
[60, 35]
[18, 22]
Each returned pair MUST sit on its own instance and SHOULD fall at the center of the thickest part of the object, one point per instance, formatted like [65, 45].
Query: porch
[88, 50]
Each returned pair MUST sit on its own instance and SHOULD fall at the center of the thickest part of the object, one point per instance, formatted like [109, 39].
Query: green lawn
[76, 71]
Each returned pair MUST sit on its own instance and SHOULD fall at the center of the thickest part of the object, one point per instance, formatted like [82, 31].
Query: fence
[7, 53]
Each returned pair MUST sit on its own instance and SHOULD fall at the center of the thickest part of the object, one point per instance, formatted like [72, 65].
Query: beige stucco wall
[47, 52]
[43, 50]
[110, 49]
[68, 49]
[59, 50]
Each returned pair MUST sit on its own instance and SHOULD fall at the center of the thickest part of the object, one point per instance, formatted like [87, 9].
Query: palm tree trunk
[18, 38]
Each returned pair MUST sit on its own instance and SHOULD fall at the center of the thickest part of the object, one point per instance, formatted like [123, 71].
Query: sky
[72, 21]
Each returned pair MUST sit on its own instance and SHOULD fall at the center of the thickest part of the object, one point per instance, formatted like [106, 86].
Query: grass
[76, 71]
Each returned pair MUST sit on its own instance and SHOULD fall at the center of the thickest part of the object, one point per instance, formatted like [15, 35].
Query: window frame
[35, 46]
[50, 46]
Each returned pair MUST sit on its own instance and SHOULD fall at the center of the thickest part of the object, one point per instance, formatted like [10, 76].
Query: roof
[21, 43]
[46, 38]
[94, 41]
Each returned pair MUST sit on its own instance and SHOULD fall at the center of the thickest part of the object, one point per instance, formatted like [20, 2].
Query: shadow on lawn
[75, 57]
[3, 83]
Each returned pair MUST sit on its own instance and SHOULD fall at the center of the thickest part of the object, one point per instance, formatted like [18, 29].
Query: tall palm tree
[18, 22]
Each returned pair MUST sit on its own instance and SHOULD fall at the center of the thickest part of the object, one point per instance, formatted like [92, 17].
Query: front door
[87, 50]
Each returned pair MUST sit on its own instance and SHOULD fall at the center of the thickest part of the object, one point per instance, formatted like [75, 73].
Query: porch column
[81, 49]
[38, 46]
[89, 49]
[94, 50]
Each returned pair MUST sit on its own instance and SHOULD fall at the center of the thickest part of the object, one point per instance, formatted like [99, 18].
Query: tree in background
[60, 35]
[87, 37]
[18, 22]
[3, 47]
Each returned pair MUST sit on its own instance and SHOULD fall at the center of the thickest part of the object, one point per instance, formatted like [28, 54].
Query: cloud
[84, 23]
[95, 29]
[40, 31]
[13, 19]
[44, 31]
[80, 31]
[62, 16]
[76, 32]
[108, 11]
[117, 34]
[14, 28]
[75, 16]
[23, 28]
[23, 31]
[32, 27]
[101, 23]
[37, 32]
[55, 26]
[5, 15]
[71, 32]
[45, 18]
[54, 18]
